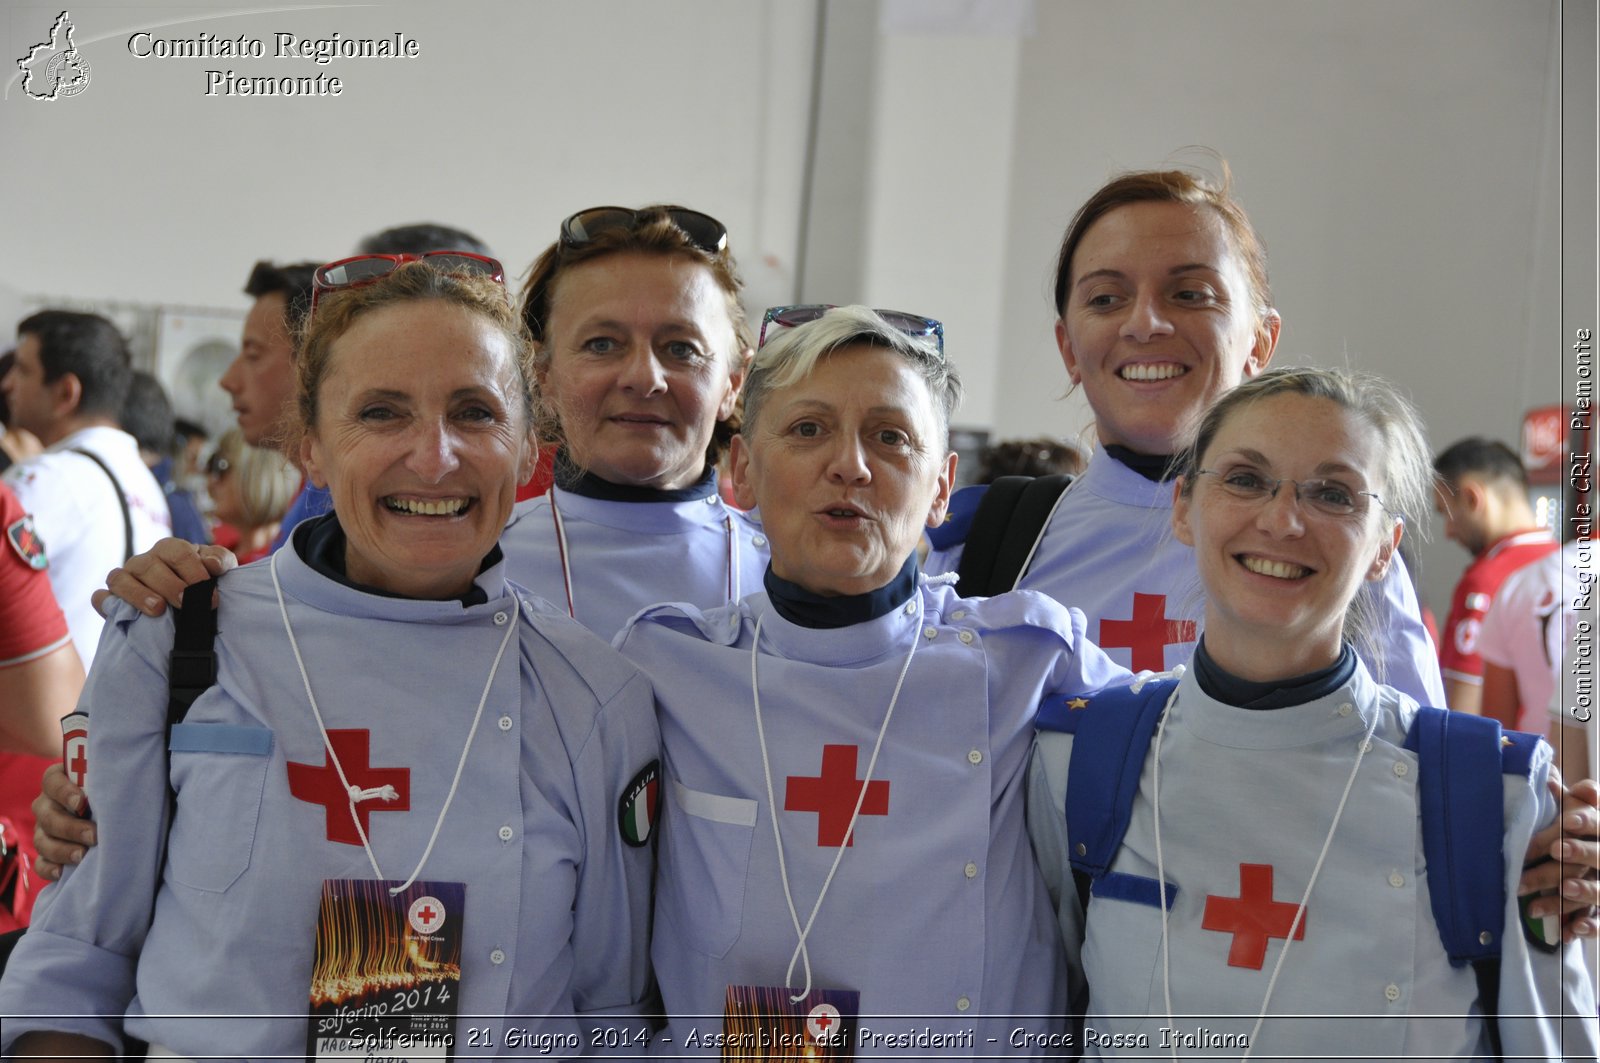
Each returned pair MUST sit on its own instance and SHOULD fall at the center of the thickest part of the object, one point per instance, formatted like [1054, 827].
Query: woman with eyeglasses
[843, 748]
[251, 489]
[1272, 891]
[1163, 306]
[409, 804]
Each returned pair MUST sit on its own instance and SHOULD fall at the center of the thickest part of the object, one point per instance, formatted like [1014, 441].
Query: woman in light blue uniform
[391, 717]
[844, 750]
[1271, 896]
[640, 345]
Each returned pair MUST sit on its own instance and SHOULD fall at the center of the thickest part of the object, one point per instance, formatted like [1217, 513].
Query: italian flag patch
[640, 804]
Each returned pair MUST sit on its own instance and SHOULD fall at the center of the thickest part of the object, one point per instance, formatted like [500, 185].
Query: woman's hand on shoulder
[156, 578]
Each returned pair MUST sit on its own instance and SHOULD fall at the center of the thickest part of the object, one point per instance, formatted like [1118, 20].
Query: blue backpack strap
[1112, 735]
[958, 517]
[1463, 825]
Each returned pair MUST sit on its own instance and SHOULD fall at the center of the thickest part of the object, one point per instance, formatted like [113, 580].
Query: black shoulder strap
[194, 654]
[122, 500]
[1010, 516]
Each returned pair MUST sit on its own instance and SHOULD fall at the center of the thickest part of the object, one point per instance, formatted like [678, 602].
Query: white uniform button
[1402, 769]
[506, 834]
[929, 632]
[758, 540]
[505, 723]
[497, 957]
[963, 1003]
[1396, 879]
[971, 870]
[711, 500]
[1365, 745]
[975, 757]
[959, 614]
[965, 637]
[1346, 709]
[500, 618]
[911, 607]
[1391, 992]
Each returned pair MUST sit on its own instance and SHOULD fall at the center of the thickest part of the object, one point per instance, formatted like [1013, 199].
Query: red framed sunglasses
[364, 269]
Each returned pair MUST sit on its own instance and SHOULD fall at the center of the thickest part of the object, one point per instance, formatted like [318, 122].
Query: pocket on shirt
[1123, 950]
[703, 864]
[220, 774]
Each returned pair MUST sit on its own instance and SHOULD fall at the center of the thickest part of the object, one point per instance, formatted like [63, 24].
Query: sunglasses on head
[364, 269]
[914, 325]
[704, 231]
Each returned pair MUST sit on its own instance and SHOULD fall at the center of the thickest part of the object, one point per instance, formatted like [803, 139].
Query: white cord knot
[382, 793]
[942, 578]
[1150, 677]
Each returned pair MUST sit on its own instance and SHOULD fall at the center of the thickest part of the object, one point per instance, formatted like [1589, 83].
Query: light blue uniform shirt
[557, 915]
[1370, 979]
[624, 556]
[1109, 551]
[937, 914]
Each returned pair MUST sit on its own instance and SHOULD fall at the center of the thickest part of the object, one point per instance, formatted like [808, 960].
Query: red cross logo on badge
[1147, 634]
[75, 749]
[24, 539]
[426, 915]
[823, 1023]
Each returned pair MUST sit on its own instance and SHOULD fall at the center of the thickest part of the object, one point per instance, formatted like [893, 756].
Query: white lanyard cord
[387, 792]
[566, 560]
[1305, 899]
[800, 950]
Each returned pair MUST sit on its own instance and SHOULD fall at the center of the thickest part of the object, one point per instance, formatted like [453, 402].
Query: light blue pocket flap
[220, 738]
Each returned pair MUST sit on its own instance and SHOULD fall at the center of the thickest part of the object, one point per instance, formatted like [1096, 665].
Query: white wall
[1402, 158]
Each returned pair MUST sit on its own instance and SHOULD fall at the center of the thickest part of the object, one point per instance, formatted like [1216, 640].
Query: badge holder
[763, 1022]
[387, 977]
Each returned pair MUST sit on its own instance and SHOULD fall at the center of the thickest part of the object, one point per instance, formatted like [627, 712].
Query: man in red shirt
[40, 677]
[1483, 496]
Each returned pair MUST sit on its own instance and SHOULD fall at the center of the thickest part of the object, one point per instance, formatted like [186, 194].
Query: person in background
[15, 443]
[1028, 457]
[1270, 878]
[189, 446]
[147, 417]
[420, 238]
[40, 677]
[250, 488]
[1483, 496]
[93, 501]
[396, 732]
[1525, 633]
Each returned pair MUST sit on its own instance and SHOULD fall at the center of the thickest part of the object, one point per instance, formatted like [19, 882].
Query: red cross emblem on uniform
[833, 794]
[1252, 917]
[383, 789]
[1147, 634]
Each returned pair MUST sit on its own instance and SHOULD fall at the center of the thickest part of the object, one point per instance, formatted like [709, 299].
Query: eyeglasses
[704, 231]
[364, 269]
[914, 325]
[217, 466]
[1329, 498]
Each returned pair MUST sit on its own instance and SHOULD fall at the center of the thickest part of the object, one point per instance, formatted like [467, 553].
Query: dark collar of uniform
[1153, 467]
[320, 542]
[1224, 686]
[581, 482]
[805, 609]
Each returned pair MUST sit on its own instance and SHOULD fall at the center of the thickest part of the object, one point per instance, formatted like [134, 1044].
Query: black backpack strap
[122, 500]
[1009, 519]
[194, 655]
